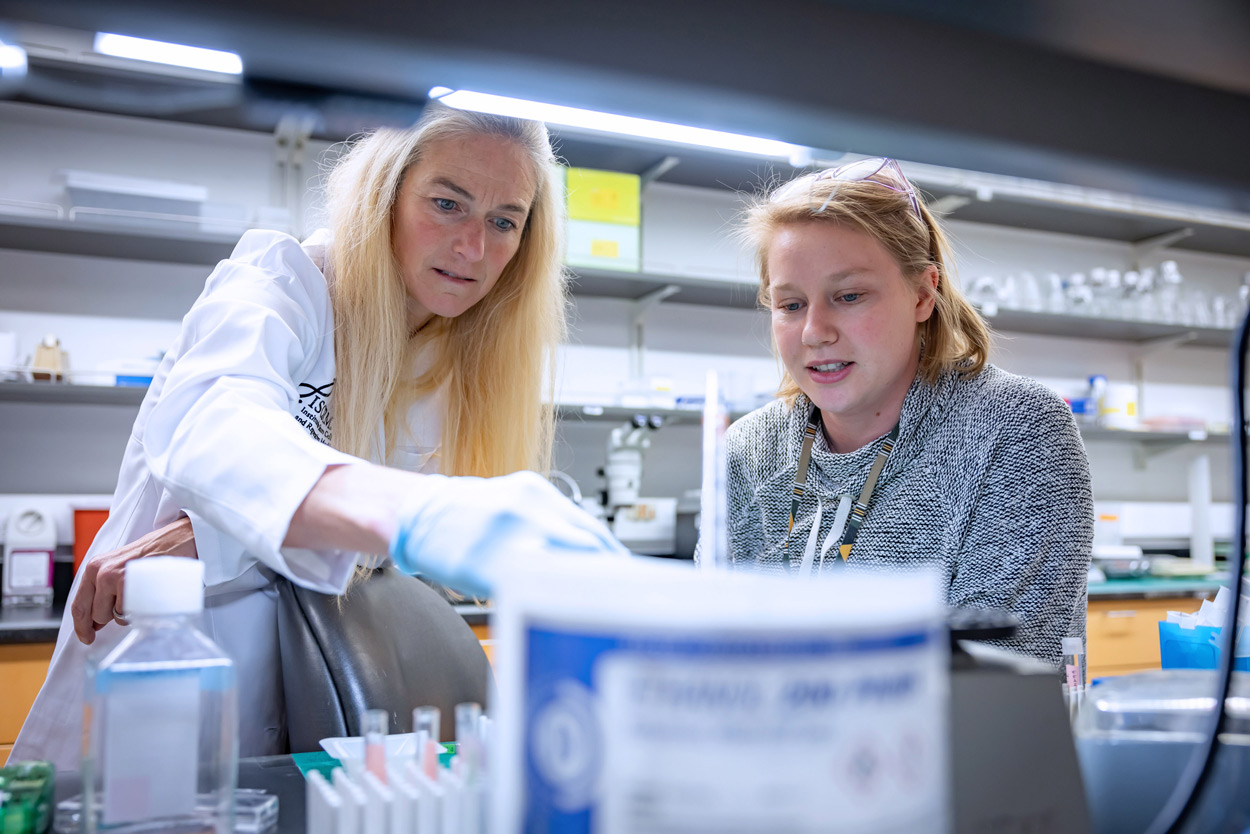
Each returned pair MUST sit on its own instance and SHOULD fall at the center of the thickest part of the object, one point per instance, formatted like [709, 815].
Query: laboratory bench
[1122, 620]
[28, 636]
[29, 625]
[281, 776]
[1155, 587]
[1121, 631]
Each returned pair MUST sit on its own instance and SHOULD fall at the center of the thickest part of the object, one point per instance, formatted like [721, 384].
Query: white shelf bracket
[1146, 450]
[1147, 246]
[290, 145]
[1138, 355]
[637, 313]
[658, 170]
[948, 205]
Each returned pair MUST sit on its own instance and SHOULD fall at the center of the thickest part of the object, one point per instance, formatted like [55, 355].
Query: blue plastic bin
[1197, 648]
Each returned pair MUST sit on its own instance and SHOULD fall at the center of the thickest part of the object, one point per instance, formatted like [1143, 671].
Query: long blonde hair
[496, 359]
[954, 337]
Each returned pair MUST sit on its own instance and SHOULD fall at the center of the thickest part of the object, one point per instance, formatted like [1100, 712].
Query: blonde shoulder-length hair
[954, 337]
[496, 359]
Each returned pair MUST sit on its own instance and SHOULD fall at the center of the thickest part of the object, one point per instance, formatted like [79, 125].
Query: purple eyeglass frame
[865, 170]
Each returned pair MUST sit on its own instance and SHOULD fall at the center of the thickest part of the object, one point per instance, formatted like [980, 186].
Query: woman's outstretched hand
[457, 531]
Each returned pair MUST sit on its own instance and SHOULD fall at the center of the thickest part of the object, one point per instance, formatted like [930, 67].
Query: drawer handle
[1120, 614]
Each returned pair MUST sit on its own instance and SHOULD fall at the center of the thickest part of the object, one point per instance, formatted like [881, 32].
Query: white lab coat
[231, 433]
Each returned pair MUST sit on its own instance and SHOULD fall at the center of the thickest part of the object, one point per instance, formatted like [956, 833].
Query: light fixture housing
[597, 121]
[12, 58]
[172, 54]
[13, 67]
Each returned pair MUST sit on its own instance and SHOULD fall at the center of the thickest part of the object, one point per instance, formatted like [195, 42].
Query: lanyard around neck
[860, 510]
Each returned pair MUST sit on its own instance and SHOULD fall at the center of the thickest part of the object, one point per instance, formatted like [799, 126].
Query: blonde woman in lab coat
[316, 390]
[893, 442]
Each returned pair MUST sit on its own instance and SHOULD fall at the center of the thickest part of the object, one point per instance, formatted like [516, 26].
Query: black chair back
[391, 643]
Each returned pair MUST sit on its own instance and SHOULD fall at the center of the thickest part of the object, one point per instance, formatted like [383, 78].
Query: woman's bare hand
[99, 597]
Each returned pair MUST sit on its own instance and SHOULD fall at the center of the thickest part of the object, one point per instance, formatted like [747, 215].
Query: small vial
[374, 728]
[468, 723]
[1074, 664]
[425, 723]
[427, 719]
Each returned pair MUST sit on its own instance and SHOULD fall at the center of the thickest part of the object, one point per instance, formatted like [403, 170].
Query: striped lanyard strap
[860, 510]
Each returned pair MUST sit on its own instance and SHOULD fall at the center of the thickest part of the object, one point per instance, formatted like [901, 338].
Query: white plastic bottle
[161, 713]
[1095, 399]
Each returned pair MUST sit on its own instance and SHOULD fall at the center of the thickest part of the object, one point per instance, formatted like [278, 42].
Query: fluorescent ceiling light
[556, 114]
[12, 58]
[175, 54]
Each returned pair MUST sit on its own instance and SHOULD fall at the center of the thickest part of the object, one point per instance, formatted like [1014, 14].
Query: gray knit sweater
[989, 481]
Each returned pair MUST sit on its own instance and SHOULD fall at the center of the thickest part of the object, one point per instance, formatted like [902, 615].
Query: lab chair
[391, 642]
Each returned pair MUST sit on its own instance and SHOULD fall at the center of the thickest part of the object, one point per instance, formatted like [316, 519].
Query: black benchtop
[30, 625]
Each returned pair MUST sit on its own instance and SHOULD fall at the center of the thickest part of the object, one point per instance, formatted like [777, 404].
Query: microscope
[644, 525]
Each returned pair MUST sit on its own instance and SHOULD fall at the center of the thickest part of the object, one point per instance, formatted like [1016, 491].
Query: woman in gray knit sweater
[893, 442]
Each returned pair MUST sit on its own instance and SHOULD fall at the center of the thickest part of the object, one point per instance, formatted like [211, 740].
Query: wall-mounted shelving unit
[1093, 327]
[113, 240]
[57, 393]
[60, 393]
[95, 239]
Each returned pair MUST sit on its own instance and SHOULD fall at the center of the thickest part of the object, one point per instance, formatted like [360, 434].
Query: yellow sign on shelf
[605, 248]
[604, 196]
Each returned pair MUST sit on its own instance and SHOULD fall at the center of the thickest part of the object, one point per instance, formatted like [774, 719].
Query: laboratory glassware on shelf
[1152, 295]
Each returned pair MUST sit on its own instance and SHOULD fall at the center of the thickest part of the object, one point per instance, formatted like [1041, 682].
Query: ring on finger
[117, 615]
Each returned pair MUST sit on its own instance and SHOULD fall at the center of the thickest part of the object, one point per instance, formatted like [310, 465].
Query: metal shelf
[111, 240]
[1168, 437]
[1064, 213]
[63, 393]
[694, 289]
[106, 240]
[1090, 327]
[618, 413]
[1150, 444]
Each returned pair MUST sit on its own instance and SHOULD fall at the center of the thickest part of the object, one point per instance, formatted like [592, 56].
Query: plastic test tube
[425, 723]
[470, 758]
[468, 723]
[1074, 664]
[374, 728]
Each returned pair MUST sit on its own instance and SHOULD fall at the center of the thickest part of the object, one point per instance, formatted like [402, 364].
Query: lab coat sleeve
[221, 438]
[1030, 533]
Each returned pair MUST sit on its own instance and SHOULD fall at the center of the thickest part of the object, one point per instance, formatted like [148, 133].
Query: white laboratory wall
[104, 309]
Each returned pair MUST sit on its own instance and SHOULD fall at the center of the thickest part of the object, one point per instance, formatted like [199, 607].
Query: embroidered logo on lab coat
[314, 410]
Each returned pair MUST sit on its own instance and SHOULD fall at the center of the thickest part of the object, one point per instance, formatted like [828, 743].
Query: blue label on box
[616, 711]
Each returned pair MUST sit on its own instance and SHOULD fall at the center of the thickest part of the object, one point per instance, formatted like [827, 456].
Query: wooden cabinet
[1122, 635]
[23, 666]
[482, 630]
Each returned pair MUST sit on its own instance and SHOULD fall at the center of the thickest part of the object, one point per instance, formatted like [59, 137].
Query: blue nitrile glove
[456, 531]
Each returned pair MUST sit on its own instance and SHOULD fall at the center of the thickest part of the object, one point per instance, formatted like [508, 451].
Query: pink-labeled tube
[1074, 663]
[374, 728]
[429, 759]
